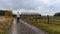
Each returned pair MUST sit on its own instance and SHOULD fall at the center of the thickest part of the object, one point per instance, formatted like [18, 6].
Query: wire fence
[45, 19]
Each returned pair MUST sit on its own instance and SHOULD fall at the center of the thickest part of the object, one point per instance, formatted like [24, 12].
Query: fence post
[48, 19]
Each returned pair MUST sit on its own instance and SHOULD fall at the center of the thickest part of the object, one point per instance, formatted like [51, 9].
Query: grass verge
[5, 24]
[42, 24]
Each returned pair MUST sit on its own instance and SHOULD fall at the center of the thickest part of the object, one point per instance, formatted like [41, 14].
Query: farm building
[5, 13]
[30, 15]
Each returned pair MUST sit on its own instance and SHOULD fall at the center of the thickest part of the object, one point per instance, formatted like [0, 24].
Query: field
[53, 27]
[5, 24]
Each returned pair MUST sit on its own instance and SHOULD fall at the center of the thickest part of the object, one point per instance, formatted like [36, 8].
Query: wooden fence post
[48, 19]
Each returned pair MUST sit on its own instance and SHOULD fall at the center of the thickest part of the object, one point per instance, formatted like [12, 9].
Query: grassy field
[5, 24]
[52, 28]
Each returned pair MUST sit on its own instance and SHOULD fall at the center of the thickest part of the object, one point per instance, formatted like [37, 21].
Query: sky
[44, 7]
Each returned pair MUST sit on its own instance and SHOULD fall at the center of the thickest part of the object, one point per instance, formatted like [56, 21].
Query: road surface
[24, 28]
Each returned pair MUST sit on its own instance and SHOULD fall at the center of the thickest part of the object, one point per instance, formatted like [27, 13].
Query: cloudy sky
[45, 7]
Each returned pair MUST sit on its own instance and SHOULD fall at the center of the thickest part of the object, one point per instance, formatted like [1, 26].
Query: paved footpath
[24, 28]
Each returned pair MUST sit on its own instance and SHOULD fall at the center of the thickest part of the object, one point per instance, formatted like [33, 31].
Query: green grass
[5, 24]
[52, 28]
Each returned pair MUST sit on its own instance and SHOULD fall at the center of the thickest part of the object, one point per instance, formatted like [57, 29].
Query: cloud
[28, 4]
[43, 6]
[16, 4]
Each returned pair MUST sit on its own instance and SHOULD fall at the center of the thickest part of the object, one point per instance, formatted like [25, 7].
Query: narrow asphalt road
[24, 28]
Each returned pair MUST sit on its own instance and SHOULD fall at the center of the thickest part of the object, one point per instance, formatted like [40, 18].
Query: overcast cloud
[41, 6]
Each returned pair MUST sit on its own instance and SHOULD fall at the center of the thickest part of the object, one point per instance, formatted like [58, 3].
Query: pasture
[53, 27]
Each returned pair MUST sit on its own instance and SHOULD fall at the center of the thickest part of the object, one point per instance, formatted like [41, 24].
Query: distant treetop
[57, 14]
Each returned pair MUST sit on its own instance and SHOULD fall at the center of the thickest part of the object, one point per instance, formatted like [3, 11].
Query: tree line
[5, 13]
[9, 13]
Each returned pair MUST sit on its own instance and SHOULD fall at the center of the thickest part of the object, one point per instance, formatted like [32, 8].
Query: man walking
[18, 17]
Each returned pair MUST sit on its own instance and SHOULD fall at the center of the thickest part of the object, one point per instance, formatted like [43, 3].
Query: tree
[57, 14]
[14, 15]
[5, 13]
[9, 13]
[2, 12]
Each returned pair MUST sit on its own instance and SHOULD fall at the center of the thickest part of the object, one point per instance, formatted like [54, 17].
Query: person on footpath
[18, 17]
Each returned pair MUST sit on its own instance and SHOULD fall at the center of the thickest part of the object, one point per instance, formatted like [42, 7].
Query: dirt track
[24, 28]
